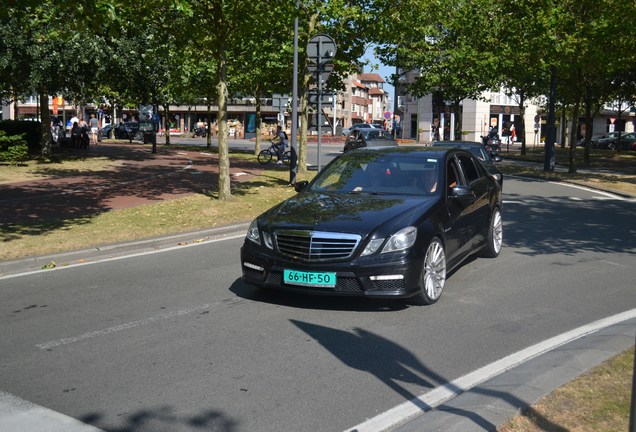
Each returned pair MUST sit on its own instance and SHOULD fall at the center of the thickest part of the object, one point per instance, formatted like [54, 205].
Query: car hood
[351, 213]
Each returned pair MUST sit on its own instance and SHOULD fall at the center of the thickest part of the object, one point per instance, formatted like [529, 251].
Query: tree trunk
[522, 132]
[588, 127]
[166, 110]
[224, 159]
[257, 143]
[208, 136]
[573, 134]
[304, 91]
[458, 121]
[564, 122]
[45, 125]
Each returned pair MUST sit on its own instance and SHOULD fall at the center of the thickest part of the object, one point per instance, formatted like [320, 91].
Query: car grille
[316, 246]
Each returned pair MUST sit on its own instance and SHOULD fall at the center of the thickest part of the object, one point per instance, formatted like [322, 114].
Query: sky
[383, 70]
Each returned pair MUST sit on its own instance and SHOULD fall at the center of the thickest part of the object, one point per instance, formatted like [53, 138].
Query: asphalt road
[174, 341]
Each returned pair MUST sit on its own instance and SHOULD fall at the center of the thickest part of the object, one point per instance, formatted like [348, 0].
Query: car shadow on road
[401, 371]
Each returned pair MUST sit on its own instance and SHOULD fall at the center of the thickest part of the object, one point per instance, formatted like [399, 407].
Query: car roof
[457, 144]
[418, 151]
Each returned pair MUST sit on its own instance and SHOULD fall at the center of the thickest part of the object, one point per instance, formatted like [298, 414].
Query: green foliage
[29, 130]
[13, 148]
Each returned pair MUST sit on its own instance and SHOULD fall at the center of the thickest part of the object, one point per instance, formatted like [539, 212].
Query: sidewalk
[139, 177]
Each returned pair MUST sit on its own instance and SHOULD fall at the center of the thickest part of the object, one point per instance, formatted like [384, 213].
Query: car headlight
[401, 240]
[253, 233]
[372, 247]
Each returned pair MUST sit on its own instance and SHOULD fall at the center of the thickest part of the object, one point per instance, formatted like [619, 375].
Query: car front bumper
[390, 276]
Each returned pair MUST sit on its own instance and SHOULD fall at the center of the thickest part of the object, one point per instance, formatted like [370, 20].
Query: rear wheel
[433, 275]
[287, 157]
[264, 157]
[495, 236]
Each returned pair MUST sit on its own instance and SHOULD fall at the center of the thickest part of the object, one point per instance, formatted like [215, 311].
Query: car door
[456, 227]
[478, 212]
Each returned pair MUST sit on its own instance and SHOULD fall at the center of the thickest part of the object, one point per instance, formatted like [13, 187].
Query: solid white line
[167, 249]
[441, 394]
[125, 326]
[587, 189]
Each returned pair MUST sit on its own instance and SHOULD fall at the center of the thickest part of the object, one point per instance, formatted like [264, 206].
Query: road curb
[83, 256]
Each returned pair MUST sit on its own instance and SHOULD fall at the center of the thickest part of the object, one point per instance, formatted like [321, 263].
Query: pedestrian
[73, 120]
[75, 135]
[93, 123]
[84, 140]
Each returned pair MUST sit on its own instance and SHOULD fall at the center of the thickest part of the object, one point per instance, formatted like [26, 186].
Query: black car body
[106, 131]
[626, 141]
[478, 150]
[368, 138]
[361, 126]
[378, 222]
[126, 130]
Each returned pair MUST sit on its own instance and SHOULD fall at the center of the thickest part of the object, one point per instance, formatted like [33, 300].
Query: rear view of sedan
[378, 222]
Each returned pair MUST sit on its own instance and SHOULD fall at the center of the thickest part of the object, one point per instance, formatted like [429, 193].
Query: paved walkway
[138, 177]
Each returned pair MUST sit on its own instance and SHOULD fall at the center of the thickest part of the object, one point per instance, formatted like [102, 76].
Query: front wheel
[495, 236]
[264, 157]
[433, 275]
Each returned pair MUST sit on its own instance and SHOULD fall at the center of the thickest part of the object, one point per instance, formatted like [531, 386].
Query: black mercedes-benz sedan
[378, 222]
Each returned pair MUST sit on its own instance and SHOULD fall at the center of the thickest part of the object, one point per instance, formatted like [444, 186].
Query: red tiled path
[141, 178]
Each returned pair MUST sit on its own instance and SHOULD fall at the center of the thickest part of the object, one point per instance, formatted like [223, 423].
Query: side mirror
[301, 185]
[464, 195]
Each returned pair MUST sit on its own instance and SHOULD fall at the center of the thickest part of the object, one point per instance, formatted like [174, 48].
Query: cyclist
[280, 144]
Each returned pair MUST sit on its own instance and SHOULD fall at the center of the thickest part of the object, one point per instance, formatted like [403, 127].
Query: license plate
[311, 279]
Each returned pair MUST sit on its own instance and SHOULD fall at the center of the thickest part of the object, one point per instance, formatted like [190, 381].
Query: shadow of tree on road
[164, 419]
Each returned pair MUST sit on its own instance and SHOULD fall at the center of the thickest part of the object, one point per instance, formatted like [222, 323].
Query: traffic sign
[387, 115]
[321, 49]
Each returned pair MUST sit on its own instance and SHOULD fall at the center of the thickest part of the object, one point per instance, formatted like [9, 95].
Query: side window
[471, 172]
[452, 175]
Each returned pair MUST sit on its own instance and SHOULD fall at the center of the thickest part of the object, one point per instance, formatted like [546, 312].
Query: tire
[494, 238]
[265, 157]
[287, 158]
[433, 274]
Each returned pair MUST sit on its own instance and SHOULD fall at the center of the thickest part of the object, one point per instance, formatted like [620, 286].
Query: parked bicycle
[265, 156]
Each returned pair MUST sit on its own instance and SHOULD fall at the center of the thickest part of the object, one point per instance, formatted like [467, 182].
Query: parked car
[347, 131]
[378, 222]
[489, 161]
[626, 141]
[368, 138]
[106, 131]
[598, 141]
[128, 130]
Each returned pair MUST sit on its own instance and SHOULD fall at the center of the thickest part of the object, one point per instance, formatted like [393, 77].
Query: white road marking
[441, 394]
[125, 326]
[150, 252]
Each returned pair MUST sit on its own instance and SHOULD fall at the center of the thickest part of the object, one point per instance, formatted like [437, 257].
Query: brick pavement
[140, 177]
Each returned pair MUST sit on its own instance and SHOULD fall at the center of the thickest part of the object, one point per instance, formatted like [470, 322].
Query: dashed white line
[125, 326]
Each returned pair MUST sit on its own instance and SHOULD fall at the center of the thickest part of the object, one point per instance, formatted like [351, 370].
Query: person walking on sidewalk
[93, 124]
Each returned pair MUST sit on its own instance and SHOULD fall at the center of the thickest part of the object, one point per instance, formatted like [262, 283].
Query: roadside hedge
[30, 130]
[13, 148]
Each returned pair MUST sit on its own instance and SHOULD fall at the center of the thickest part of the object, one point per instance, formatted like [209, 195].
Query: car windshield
[480, 153]
[376, 134]
[379, 174]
